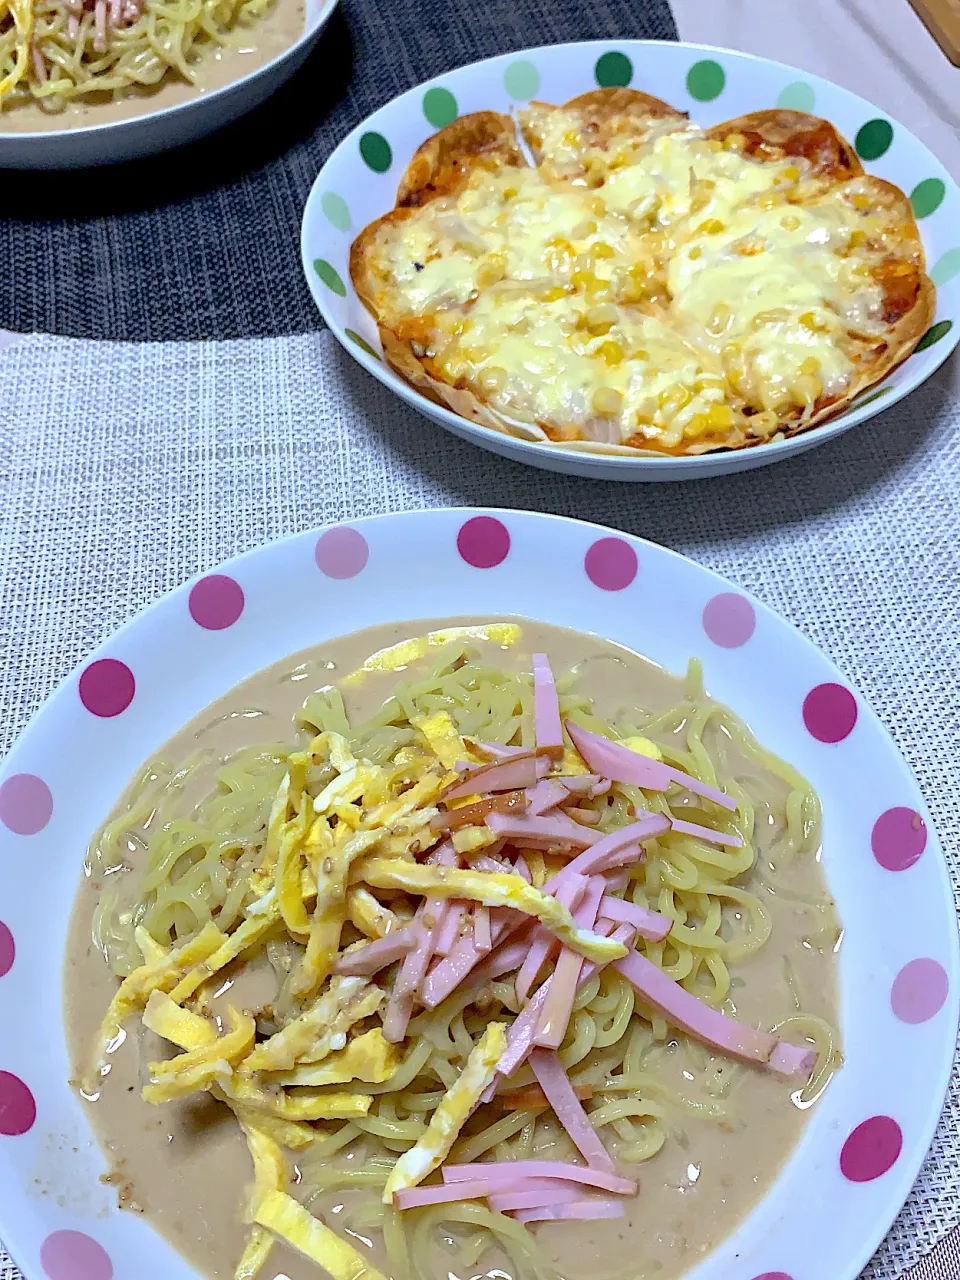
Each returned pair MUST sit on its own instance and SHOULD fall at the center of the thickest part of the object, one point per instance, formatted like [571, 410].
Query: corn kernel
[601, 319]
[554, 294]
[492, 378]
[808, 320]
[640, 353]
[791, 173]
[612, 353]
[768, 200]
[695, 252]
[714, 144]
[583, 229]
[861, 201]
[734, 142]
[597, 206]
[602, 250]
[712, 227]
[698, 425]
[810, 366]
[857, 238]
[720, 415]
[750, 248]
[585, 280]
[607, 402]
[491, 272]
[790, 222]
[510, 193]
[806, 390]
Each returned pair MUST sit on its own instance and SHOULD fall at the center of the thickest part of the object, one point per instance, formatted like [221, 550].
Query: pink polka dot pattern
[72, 1255]
[773, 1275]
[17, 1107]
[729, 620]
[829, 712]
[871, 1150]
[8, 950]
[341, 552]
[26, 804]
[611, 564]
[919, 991]
[898, 839]
[107, 687]
[484, 542]
[216, 602]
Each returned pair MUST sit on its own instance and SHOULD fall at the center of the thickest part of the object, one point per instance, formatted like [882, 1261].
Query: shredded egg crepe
[468, 925]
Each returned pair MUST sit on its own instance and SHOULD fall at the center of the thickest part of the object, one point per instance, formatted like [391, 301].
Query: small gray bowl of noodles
[86, 82]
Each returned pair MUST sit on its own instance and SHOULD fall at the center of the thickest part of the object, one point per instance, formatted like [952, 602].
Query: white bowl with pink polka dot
[899, 967]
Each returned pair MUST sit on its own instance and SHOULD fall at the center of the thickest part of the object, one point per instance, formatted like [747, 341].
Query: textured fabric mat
[203, 242]
[106, 501]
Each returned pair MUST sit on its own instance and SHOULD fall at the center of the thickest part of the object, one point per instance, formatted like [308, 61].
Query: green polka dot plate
[359, 181]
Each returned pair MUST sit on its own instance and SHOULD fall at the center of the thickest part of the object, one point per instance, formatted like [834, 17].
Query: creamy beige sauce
[185, 1165]
[245, 49]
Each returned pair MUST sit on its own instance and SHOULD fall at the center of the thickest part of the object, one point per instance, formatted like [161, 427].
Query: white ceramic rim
[181, 667]
[534, 452]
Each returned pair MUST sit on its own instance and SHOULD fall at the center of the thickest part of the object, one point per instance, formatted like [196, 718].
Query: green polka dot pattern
[362, 343]
[705, 80]
[946, 267]
[335, 210]
[613, 70]
[927, 197]
[376, 152]
[934, 334]
[329, 277]
[521, 80]
[797, 96]
[440, 107]
[873, 139]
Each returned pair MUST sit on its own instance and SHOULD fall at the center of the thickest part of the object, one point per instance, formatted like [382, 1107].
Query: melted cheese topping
[664, 290]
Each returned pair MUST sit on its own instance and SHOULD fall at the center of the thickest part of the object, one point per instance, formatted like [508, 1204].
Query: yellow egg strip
[493, 890]
[247, 935]
[315, 1032]
[452, 1113]
[368, 915]
[442, 738]
[201, 1068]
[270, 1174]
[368, 1057]
[136, 989]
[282, 1215]
[401, 655]
[182, 1027]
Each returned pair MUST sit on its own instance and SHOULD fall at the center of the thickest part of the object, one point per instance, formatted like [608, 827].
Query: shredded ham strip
[509, 775]
[469, 815]
[546, 708]
[497, 1176]
[555, 1083]
[649, 924]
[705, 833]
[583, 1210]
[558, 1006]
[612, 760]
[378, 954]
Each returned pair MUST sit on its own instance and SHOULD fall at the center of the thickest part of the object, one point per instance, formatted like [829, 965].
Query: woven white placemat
[126, 469]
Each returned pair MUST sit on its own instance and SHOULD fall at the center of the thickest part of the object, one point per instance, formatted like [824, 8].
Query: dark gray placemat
[203, 242]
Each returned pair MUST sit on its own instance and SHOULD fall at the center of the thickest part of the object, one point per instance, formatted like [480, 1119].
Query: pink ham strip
[546, 708]
[580, 783]
[544, 943]
[495, 751]
[612, 760]
[793, 1060]
[553, 831]
[568, 1109]
[705, 833]
[688, 1013]
[507, 958]
[378, 954]
[450, 972]
[415, 1197]
[532, 1194]
[618, 849]
[521, 1033]
[558, 1006]
[481, 929]
[512, 775]
[582, 1211]
[100, 26]
[649, 924]
[450, 929]
[427, 925]
[521, 868]
[499, 1175]
[545, 795]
